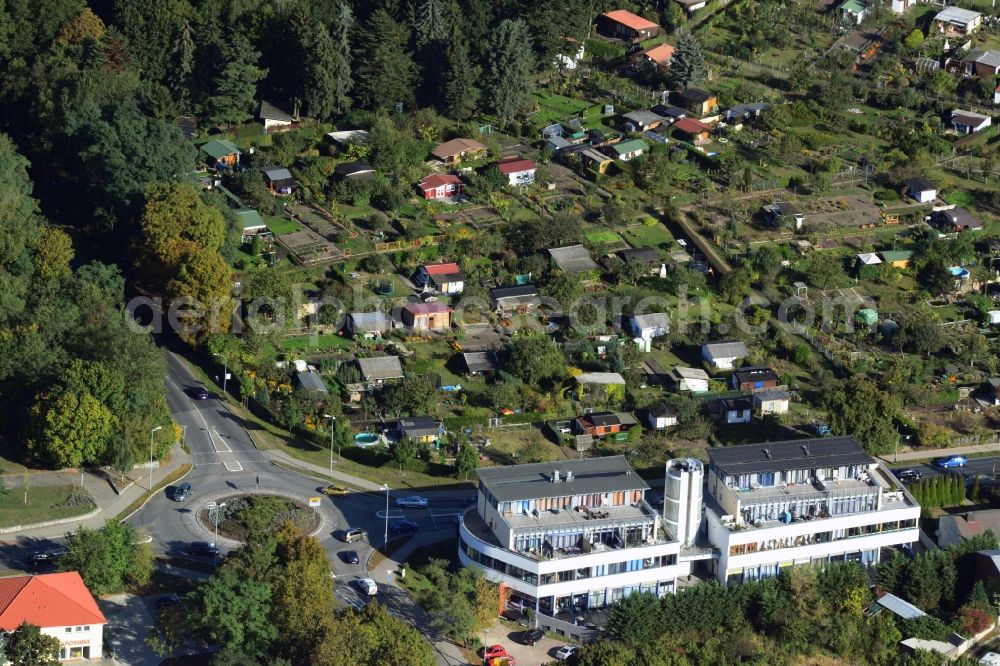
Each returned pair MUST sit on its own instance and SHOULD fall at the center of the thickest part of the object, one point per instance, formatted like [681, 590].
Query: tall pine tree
[460, 94]
[322, 92]
[511, 61]
[386, 73]
[687, 67]
[236, 85]
[432, 21]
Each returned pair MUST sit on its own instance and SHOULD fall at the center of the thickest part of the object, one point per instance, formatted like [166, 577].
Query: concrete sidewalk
[109, 504]
[284, 459]
[924, 454]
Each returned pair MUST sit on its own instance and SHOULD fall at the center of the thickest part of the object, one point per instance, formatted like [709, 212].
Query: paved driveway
[129, 620]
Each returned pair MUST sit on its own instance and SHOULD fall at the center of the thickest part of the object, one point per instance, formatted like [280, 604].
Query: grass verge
[173, 477]
[45, 503]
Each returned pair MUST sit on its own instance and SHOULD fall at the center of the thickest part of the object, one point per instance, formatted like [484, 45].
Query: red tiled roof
[515, 165]
[659, 53]
[629, 19]
[47, 600]
[437, 180]
[442, 269]
[691, 126]
[434, 307]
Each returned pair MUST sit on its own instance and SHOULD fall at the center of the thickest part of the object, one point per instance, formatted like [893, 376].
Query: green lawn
[319, 343]
[602, 236]
[50, 502]
[280, 226]
[641, 235]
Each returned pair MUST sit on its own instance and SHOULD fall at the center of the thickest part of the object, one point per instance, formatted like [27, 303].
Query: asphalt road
[226, 464]
[988, 466]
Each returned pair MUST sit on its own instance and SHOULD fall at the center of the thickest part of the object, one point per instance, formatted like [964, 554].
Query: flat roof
[590, 475]
[788, 455]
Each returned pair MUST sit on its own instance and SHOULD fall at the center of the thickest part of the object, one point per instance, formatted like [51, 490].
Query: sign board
[315, 501]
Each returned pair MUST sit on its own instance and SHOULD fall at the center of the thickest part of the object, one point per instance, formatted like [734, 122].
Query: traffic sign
[315, 501]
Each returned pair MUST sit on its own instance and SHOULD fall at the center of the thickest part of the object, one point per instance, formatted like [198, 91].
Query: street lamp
[151, 432]
[333, 420]
[225, 373]
[213, 514]
[385, 537]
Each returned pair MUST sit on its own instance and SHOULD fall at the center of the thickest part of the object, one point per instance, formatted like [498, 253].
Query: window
[69, 630]
[87, 628]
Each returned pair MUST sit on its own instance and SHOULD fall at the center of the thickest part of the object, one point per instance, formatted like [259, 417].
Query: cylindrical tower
[682, 493]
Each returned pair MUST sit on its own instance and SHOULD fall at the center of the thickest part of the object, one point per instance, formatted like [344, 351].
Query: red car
[495, 652]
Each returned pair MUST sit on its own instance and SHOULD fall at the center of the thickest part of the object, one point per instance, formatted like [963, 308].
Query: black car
[200, 393]
[908, 475]
[168, 600]
[531, 636]
[181, 492]
[44, 558]
[204, 548]
[350, 556]
[401, 526]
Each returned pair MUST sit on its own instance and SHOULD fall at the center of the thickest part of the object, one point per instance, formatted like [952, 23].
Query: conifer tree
[687, 67]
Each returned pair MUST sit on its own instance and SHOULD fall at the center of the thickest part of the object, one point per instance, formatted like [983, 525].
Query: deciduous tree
[28, 646]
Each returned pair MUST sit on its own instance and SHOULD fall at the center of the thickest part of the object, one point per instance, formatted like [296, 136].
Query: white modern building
[569, 537]
[61, 606]
[779, 504]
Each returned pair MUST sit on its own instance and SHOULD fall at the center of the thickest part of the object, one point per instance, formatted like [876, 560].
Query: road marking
[212, 434]
[392, 515]
[229, 466]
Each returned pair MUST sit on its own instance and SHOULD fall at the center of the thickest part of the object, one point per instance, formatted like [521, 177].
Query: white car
[566, 651]
[413, 501]
[366, 586]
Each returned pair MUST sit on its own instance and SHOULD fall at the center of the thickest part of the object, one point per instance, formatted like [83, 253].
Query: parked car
[947, 462]
[413, 501]
[352, 534]
[350, 556]
[908, 475]
[532, 636]
[401, 526]
[204, 548]
[167, 600]
[566, 651]
[336, 491]
[365, 586]
[494, 652]
[181, 492]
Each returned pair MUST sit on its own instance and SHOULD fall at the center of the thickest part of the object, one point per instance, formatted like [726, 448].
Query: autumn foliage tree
[178, 253]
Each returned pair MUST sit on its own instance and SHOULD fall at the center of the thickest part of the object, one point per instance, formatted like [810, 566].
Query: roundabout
[241, 512]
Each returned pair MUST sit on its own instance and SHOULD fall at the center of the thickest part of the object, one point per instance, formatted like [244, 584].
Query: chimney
[555, 476]
[970, 517]
[569, 475]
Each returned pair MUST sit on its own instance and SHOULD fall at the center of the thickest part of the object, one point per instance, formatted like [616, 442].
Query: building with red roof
[61, 605]
[440, 186]
[444, 278]
[654, 56]
[692, 129]
[429, 316]
[626, 25]
[518, 171]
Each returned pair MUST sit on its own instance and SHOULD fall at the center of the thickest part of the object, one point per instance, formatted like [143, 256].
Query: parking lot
[506, 634]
